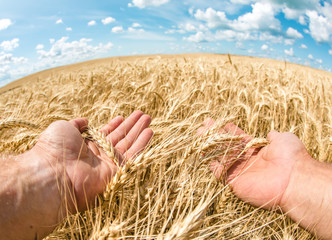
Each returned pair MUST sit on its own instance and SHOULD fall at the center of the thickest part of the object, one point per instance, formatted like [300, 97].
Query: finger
[80, 123]
[235, 130]
[272, 135]
[141, 142]
[208, 123]
[201, 131]
[93, 147]
[123, 145]
[121, 131]
[111, 125]
[226, 167]
[216, 168]
[238, 148]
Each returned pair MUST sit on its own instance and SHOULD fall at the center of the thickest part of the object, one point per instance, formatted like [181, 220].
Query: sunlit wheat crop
[168, 192]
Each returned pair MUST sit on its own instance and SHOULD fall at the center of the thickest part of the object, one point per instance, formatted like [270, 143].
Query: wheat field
[168, 192]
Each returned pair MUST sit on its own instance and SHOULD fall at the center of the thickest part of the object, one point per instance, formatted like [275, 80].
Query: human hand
[260, 176]
[83, 165]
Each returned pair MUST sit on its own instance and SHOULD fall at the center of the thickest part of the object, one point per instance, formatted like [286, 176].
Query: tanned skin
[63, 173]
[281, 175]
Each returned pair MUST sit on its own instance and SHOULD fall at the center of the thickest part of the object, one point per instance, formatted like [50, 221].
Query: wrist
[31, 203]
[300, 179]
[54, 171]
[43, 190]
[308, 196]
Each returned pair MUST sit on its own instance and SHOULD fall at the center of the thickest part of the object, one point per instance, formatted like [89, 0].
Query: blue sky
[37, 35]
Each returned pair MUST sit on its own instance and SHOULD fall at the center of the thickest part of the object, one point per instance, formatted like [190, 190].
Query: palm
[261, 177]
[87, 167]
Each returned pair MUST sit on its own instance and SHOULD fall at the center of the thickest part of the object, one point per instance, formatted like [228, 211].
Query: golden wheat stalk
[27, 140]
[17, 123]
[105, 144]
[162, 192]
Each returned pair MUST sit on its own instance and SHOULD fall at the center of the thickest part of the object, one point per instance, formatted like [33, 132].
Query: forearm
[29, 197]
[308, 199]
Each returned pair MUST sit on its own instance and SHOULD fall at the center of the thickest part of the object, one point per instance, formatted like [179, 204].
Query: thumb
[80, 123]
[273, 135]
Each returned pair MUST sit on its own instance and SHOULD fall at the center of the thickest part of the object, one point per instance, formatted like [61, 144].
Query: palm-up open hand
[82, 164]
[260, 176]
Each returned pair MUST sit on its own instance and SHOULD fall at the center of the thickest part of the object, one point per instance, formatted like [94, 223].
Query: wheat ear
[101, 140]
[17, 123]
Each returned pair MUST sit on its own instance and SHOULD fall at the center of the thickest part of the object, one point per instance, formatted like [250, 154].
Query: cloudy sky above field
[37, 35]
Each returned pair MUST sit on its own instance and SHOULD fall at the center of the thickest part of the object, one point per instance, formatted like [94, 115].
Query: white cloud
[188, 27]
[9, 45]
[297, 4]
[261, 18]
[227, 35]
[213, 18]
[231, 36]
[293, 33]
[303, 46]
[266, 36]
[135, 30]
[4, 75]
[289, 52]
[141, 34]
[146, 3]
[69, 29]
[302, 20]
[170, 31]
[52, 40]
[326, 10]
[136, 25]
[3, 69]
[330, 52]
[39, 46]
[8, 58]
[320, 61]
[240, 45]
[5, 23]
[291, 13]
[92, 23]
[200, 37]
[320, 26]
[265, 47]
[191, 11]
[310, 57]
[262, 21]
[289, 41]
[61, 52]
[59, 21]
[117, 29]
[260, 24]
[64, 52]
[108, 20]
